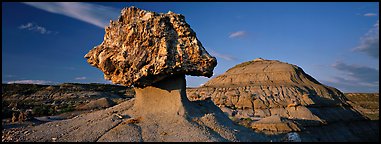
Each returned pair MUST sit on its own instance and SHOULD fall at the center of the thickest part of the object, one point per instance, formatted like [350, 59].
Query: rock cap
[143, 47]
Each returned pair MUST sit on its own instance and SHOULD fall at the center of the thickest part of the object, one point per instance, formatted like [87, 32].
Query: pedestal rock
[152, 52]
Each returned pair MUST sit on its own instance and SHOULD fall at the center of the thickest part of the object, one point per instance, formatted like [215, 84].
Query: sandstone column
[167, 96]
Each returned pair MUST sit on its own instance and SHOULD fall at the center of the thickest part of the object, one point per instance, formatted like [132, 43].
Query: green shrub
[41, 110]
[247, 119]
[44, 110]
[68, 108]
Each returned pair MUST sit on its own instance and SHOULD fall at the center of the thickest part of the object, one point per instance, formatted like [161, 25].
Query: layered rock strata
[275, 123]
[263, 88]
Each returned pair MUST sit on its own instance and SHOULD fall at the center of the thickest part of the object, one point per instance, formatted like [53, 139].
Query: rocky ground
[366, 103]
[132, 120]
[113, 124]
[42, 100]
[45, 103]
[273, 100]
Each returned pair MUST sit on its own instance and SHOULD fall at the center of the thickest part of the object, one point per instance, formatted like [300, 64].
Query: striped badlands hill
[260, 89]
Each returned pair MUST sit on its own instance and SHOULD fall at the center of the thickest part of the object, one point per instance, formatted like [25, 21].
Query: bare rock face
[261, 88]
[274, 98]
[275, 124]
[143, 47]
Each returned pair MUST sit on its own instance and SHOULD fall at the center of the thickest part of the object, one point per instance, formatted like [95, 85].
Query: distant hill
[55, 99]
[366, 103]
[261, 90]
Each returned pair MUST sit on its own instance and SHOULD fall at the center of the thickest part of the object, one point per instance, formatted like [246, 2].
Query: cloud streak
[223, 56]
[31, 82]
[97, 15]
[358, 78]
[370, 14]
[358, 73]
[237, 34]
[349, 87]
[34, 27]
[369, 43]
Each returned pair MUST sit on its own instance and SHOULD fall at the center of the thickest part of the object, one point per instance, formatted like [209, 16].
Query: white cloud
[370, 14]
[80, 78]
[34, 27]
[97, 15]
[237, 34]
[369, 43]
[223, 56]
[31, 82]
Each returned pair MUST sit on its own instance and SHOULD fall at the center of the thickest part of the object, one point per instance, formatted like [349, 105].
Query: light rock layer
[262, 88]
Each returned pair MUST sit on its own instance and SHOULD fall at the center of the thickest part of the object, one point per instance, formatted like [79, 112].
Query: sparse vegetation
[241, 65]
[367, 103]
[39, 98]
[42, 110]
[245, 122]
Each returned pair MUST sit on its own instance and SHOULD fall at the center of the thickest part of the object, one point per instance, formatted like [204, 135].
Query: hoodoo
[152, 52]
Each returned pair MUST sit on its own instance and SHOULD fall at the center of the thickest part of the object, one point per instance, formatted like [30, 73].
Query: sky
[336, 43]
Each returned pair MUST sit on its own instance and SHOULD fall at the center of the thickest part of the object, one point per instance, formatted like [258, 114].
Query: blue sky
[336, 43]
